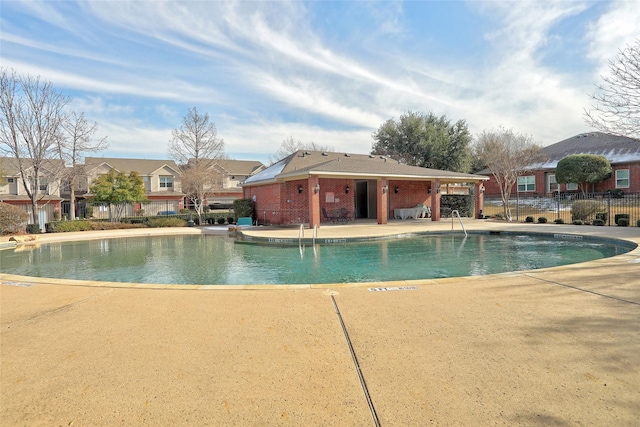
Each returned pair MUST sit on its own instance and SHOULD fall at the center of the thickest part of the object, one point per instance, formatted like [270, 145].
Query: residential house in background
[622, 152]
[231, 173]
[48, 192]
[161, 181]
[313, 187]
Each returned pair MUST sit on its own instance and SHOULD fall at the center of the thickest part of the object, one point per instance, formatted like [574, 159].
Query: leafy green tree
[583, 169]
[425, 140]
[117, 191]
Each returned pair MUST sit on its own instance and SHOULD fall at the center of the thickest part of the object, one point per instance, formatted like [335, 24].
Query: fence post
[609, 208]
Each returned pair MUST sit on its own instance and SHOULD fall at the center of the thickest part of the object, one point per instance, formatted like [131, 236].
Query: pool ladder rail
[455, 213]
[301, 234]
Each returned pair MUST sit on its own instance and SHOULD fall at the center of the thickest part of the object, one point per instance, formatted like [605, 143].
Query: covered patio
[313, 187]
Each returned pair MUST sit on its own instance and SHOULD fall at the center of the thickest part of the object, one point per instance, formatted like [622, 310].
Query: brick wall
[267, 202]
[333, 195]
[492, 189]
[284, 203]
[409, 194]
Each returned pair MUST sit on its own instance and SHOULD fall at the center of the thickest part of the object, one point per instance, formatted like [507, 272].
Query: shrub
[638, 223]
[559, 221]
[542, 220]
[166, 222]
[33, 228]
[618, 217]
[461, 202]
[585, 209]
[230, 220]
[577, 222]
[12, 219]
[599, 222]
[529, 219]
[616, 193]
[68, 226]
[106, 225]
[623, 222]
[220, 220]
[243, 207]
[602, 215]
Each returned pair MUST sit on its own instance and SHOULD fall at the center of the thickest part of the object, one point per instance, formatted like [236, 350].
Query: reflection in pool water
[201, 259]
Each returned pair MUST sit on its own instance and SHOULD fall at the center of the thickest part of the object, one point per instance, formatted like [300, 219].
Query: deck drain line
[355, 362]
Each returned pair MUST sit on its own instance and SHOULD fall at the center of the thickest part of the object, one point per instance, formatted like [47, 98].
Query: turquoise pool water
[195, 259]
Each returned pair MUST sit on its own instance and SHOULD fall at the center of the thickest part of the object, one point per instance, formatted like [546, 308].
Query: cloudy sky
[330, 72]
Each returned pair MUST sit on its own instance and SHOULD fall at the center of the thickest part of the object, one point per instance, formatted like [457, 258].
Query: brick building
[311, 186]
[623, 153]
[47, 190]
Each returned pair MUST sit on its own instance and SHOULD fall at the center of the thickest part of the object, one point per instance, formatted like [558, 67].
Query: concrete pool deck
[559, 346]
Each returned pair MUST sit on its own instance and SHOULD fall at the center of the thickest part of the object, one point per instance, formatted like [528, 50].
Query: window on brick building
[622, 178]
[572, 186]
[526, 184]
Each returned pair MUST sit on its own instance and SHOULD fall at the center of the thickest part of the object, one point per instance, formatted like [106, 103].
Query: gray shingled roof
[11, 168]
[142, 166]
[304, 163]
[239, 167]
[616, 149]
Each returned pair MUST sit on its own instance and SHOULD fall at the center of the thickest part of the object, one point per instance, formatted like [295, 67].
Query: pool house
[312, 187]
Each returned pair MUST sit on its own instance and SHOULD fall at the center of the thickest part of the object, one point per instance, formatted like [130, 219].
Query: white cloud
[614, 30]
[262, 139]
[266, 68]
[130, 139]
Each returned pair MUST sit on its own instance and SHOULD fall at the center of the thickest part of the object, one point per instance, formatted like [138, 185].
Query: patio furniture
[333, 216]
[343, 215]
[337, 215]
[415, 212]
[245, 220]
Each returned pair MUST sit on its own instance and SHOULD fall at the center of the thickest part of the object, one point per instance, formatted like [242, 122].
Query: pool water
[199, 259]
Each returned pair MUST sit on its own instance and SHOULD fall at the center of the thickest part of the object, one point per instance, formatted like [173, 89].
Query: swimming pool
[202, 259]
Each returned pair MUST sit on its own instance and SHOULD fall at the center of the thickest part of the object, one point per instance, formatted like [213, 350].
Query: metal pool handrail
[456, 213]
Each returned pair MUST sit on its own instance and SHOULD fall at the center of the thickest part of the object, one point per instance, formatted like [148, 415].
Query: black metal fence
[570, 208]
[153, 209]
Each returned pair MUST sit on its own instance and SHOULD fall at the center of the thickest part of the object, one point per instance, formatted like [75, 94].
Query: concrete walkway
[559, 346]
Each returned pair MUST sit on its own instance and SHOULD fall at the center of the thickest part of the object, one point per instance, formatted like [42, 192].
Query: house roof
[142, 166]
[239, 167]
[11, 168]
[616, 149]
[302, 164]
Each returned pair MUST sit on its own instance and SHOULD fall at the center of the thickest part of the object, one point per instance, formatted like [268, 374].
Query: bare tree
[77, 143]
[195, 146]
[507, 155]
[290, 145]
[617, 102]
[31, 118]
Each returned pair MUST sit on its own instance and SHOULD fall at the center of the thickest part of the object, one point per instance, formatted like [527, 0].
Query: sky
[328, 72]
